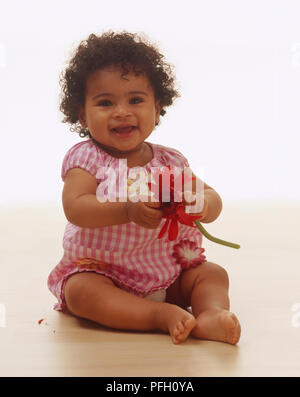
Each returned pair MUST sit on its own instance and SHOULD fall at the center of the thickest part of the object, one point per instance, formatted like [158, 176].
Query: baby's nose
[122, 111]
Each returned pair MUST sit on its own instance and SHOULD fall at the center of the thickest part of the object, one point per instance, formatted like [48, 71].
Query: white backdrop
[238, 70]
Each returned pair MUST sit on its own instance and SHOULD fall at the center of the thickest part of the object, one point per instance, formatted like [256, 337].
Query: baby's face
[120, 114]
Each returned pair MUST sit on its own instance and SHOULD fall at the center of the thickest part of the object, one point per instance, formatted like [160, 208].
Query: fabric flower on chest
[188, 254]
[169, 195]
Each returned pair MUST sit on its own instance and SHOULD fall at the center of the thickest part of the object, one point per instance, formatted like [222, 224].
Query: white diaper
[158, 296]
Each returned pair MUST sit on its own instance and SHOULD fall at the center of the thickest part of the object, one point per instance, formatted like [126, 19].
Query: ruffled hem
[58, 291]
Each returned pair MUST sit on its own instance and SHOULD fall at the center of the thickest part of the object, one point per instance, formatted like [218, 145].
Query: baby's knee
[213, 271]
[82, 288]
[78, 290]
[74, 292]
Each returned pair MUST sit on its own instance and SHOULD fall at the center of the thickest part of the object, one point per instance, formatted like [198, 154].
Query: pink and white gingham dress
[129, 254]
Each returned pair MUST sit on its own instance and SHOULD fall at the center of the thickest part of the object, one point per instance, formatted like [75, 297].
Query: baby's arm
[212, 205]
[81, 206]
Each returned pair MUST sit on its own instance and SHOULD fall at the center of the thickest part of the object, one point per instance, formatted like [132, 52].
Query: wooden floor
[264, 292]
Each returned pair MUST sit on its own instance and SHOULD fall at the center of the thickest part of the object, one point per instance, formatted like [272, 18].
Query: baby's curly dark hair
[128, 50]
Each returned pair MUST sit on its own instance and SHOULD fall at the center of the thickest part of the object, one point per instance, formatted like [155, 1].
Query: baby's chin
[122, 149]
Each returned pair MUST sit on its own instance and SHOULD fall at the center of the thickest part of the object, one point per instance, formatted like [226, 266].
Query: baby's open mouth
[123, 130]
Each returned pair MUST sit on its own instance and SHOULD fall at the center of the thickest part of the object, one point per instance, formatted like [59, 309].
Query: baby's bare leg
[97, 298]
[205, 288]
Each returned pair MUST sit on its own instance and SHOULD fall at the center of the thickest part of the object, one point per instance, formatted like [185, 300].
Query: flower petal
[173, 230]
[164, 228]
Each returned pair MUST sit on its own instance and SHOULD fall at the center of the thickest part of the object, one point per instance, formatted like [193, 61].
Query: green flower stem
[215, 239]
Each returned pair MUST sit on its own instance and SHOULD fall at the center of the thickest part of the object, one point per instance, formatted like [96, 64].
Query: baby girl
[118, 268]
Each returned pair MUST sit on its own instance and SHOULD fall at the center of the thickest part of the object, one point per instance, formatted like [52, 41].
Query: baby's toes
[235, 333]
[178, 332]
[183, 329]
[233, 329]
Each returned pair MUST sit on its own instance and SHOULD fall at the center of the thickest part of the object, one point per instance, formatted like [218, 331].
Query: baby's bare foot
[218, 324]
[178, 322]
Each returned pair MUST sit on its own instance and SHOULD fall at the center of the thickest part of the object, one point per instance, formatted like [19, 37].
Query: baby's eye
[136, 100]
[104, 103]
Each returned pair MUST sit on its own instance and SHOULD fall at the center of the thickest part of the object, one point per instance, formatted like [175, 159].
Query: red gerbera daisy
[187, 254]
[173, 210]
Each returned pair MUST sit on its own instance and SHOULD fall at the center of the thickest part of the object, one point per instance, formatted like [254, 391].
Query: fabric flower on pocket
[188, 254]
[90, 263]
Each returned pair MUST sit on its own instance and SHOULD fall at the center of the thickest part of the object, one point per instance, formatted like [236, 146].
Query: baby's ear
[157, 112]
[81, 117]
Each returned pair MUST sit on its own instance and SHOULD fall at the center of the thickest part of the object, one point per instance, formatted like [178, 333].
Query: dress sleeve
[175, 157]
[82, 155]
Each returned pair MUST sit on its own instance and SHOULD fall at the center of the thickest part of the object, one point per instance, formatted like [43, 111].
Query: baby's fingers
[153, 215]
[152, 204]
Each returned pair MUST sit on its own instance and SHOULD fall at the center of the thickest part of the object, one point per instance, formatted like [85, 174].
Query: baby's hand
[195, 204]
[144, 213]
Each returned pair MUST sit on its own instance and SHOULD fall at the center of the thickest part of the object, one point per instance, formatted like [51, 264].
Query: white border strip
[2, 315]
[3, 60]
